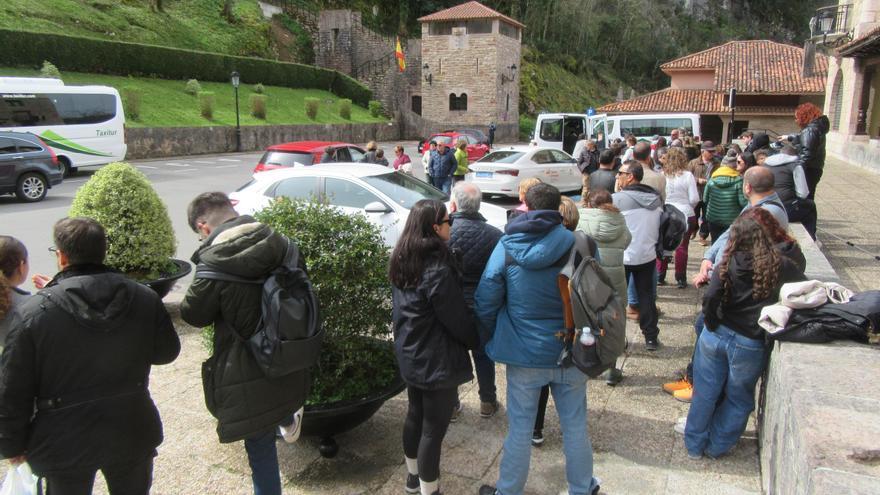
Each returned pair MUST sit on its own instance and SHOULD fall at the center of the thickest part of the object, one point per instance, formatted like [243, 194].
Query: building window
[440, 28]
[417, 104]
[507, 106]
[479, 27]
[837, 101]
[508, 30]
[457, 103]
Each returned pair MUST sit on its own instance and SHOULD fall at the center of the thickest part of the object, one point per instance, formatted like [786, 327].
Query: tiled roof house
[767, 76]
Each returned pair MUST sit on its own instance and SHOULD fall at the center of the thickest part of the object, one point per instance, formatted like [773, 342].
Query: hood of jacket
[243, 247]
[642, 195]
[602, 225]
[725, 171]
[537, 239]
[94, 295]
[780, 159]
[821, 124]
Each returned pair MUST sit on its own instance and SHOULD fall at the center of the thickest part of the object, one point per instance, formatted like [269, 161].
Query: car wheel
[31, 187]
[66, 167]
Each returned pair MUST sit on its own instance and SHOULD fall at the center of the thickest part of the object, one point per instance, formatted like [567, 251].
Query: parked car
[477, 134]
[501, 171]
[306, 153]
[28, 167]
[475, 149]
[383, 195]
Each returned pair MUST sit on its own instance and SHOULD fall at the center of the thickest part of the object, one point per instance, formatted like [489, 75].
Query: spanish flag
[401, 60]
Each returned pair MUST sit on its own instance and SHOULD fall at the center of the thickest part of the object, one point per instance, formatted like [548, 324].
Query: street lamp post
[235, 82]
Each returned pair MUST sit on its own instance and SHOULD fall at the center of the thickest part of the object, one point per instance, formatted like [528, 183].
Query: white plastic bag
[19, 481]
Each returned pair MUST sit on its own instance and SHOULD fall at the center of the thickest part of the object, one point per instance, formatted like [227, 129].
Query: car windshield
[403, 189]
[286, 158]
[502, 157]
[442, 139]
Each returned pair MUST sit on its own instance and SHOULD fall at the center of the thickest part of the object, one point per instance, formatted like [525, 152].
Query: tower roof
[467, 11]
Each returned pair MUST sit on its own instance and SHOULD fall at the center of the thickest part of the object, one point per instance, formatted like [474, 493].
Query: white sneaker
[291, 433]
[680, 426]
[681, 420]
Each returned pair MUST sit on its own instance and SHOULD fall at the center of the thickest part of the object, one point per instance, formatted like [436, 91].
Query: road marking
[75, 180]
[147, 166]
[187, 170]
[227, 160]
[225, 166]
[198, 161]
[174, 164]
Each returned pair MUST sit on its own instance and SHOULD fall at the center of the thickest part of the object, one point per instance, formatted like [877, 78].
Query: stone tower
[470, 66]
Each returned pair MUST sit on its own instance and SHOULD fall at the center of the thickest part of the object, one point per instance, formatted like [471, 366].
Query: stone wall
[821, 403]
[507, 93]
[157, 142]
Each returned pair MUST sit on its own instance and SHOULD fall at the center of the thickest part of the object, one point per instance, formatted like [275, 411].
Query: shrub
[140, 238]
[258, 106]
[49, 70]
[123, 58]
[375, 108]
[312, 105]
[206, 104]
[259, 88]
[131, 102]
[192, 87]
[345, 108]
[347, 263]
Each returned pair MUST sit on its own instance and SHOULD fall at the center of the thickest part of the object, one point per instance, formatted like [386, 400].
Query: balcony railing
[831, 25]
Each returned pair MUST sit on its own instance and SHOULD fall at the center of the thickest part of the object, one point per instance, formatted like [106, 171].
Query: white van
[560, 130]
[84, 125]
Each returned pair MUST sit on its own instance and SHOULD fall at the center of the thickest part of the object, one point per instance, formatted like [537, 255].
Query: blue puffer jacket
[517, 301]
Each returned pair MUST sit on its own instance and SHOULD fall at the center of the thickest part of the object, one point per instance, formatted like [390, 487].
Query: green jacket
[237, 392]
[609, 230]
[724, 196]
[462, 158]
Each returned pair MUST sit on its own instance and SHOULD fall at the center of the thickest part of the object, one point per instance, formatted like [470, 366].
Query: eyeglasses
[53, 249]
[445, 220]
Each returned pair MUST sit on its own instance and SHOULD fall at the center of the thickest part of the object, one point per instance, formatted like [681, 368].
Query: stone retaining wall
[158, 142]
[821, 403]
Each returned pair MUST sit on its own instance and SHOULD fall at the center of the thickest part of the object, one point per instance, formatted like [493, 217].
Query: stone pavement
[636, 450]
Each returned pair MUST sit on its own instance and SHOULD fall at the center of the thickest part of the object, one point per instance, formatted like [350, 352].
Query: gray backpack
[591, 304]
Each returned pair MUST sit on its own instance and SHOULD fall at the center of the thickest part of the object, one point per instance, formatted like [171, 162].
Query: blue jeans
[632, 298]
[698, 329]
[442, 183]
[727, 363]
[263, 459]
[485, 369]
[569, 389]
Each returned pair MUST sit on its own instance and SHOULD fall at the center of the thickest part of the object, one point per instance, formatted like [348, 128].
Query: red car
[475, 149]
[306, 153]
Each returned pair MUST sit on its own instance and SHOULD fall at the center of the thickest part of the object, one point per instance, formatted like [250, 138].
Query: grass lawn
[165, 104]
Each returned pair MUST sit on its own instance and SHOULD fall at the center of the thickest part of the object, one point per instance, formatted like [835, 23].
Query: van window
[551, 130]
[650, 127]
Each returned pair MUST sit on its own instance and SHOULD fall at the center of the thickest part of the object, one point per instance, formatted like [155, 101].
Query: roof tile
[468, 10]
[704, 101]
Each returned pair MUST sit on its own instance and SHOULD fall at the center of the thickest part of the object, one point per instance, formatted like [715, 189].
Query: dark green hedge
[74, 53]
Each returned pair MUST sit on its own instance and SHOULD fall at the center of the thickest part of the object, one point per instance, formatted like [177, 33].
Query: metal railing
[831, 24]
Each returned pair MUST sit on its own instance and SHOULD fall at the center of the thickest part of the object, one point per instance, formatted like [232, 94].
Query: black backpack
[289, 335]
[589, 294]
[673, 227]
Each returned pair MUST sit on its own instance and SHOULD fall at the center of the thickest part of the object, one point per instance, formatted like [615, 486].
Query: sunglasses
[445, 220]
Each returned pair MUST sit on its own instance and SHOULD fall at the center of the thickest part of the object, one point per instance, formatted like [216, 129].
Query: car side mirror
[377, 207]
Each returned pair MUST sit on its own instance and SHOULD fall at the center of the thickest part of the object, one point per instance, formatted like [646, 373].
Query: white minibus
[84, 125]
[560, 130]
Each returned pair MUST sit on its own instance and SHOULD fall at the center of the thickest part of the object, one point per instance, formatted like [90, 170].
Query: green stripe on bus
[60, 142]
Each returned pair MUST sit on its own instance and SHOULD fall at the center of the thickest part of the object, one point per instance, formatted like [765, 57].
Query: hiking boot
[412, 484]
[488, 409]
[652, 344]
[290, 433]
[613, 376]
[488, 490]
[456, 413]
[537, 438]
[671, 387]
[685, 394]
[596, 488]
[632, 313]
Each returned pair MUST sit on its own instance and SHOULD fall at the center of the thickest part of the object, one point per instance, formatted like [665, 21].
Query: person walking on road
[370, 155]
[74, 395]
[518, 301]
[702, 168]
[681, 192]
[724, 197]
[461, 159]
[433, 331]
[442, 167]
[402, 163]
[248, 405]
[430, 151]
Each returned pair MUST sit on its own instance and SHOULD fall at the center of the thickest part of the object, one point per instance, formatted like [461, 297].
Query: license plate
[484, 174]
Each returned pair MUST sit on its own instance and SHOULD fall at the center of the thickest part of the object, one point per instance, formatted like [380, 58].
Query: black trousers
[643, 276]
[427, 419]
[716, 229]
[700, 213]
[126, 478]
[813, 176]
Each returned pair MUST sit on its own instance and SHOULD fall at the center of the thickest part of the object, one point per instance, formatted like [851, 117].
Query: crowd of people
[463, 291]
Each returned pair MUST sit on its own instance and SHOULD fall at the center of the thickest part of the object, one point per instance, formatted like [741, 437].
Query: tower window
[458, 103]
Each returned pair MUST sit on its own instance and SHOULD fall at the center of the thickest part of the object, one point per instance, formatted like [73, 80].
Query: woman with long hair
[745, 161]
[13, 272]
[810, 142]
[731, 353]
[682, 193]
[433, 331]
[785, 244]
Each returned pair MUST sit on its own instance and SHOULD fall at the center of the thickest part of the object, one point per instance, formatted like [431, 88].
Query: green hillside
[165, 104]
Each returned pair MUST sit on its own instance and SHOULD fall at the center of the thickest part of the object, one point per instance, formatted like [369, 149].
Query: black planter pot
[329, 420]
[162, 286]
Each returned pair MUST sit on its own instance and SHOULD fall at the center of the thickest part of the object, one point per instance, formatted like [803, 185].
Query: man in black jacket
[474, 239]
[248, 405]
[80, 350]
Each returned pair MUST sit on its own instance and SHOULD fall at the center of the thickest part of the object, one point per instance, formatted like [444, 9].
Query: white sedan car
[380, 193]
[501, 171]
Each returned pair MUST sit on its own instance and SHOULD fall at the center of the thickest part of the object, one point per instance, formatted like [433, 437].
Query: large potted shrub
[347, 263]
[140, 238]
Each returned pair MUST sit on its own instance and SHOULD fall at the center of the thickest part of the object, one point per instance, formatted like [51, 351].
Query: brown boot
[632, 312]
